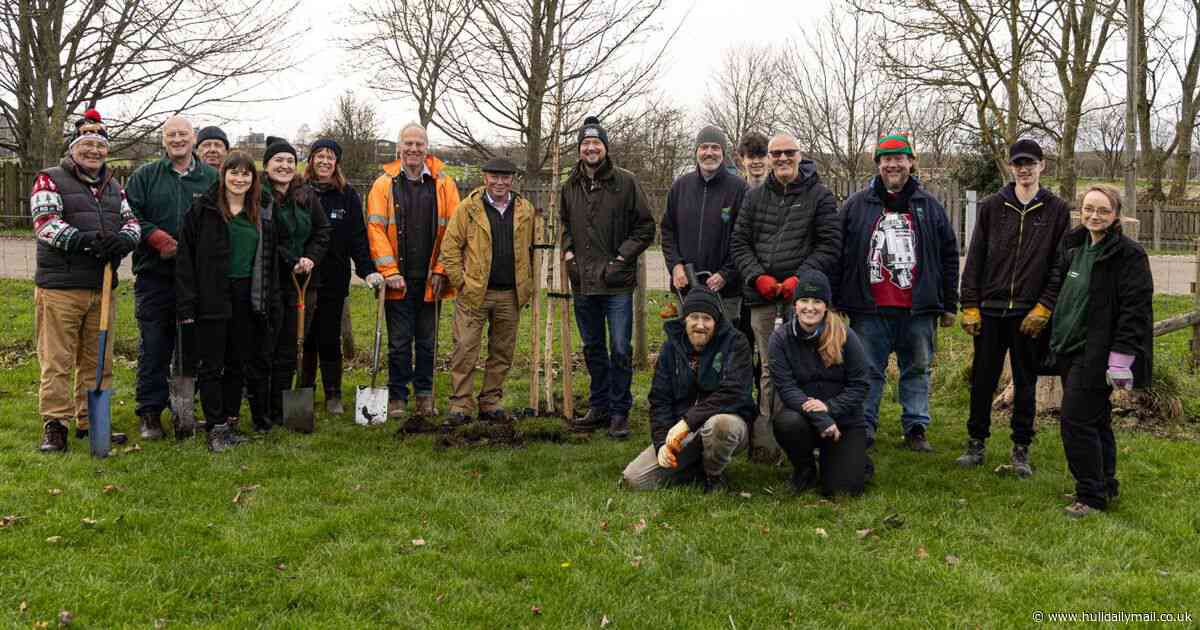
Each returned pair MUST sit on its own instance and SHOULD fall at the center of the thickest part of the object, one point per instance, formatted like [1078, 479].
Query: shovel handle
[105, 298]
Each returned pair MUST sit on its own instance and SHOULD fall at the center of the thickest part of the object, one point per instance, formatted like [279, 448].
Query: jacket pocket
[620, 274]
[573, 274]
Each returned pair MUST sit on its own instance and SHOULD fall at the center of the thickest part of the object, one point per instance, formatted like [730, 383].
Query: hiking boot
[804, 479]
[618, 427]
[221, 437]
[973, 456]
[260, 425]
[493, 415]
[592, 420]
[715, 483]
[81, 434]
[915, 441]
[54, 437]
[396, 408]
[454, 419]
[150, 427]
[1079, 510]
[425, 406]
[1020, 460]
[334, 407]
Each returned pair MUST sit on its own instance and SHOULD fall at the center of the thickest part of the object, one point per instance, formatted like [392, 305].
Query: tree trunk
[1066, 149]
[1184, 130]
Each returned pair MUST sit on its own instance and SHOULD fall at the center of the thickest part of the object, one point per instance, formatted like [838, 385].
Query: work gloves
[1035, 321]
[768, 287]
[668, 453]
[1119, 374]
[162, 243]
[112, 247]
[787, 289]
[87, 242]
[972, 322]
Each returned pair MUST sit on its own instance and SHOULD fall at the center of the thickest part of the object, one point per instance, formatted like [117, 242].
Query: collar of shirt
[501, 208]
[425, 172]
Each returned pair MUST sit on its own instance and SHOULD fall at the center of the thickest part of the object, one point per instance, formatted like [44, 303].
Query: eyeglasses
[778, 153]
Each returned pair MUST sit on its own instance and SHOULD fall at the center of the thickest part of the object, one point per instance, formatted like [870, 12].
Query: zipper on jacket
[700, 236]
[1012, 284]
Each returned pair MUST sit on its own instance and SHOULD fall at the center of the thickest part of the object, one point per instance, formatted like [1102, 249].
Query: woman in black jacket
[343, 208]
[225, 286]
[1101, 337]
[819, 369]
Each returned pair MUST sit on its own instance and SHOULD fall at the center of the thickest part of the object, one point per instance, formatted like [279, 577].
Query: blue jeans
[410, 328]
[611, 368]
[911, 338]
[154, 308]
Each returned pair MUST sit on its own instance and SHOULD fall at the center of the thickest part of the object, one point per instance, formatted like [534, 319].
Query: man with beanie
[488, 256]
[698, 224]
[160, 193]
[785, 226]
[408, 209]
[82, 222]
[898, 279]
[606, 225]
[701, 399]
[213, 145]
[1009, 288]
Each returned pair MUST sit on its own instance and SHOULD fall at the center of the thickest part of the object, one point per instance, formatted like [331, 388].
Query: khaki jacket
[466, 251]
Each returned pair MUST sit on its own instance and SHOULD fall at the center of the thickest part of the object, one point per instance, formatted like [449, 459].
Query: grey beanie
[711, 134]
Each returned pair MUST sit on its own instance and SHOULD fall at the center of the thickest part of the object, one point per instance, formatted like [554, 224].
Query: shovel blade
[183, 405]
[370, 405]
[100, 421]
[298, 410]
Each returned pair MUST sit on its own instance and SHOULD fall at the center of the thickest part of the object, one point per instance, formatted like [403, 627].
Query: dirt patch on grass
[509, 434]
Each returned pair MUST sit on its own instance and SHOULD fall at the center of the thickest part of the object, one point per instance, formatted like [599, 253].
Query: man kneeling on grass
[701, 399]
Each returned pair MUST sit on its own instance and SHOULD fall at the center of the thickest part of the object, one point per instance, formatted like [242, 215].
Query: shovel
[183, 391]
[370, 403]
[100, 400]
[298, 401]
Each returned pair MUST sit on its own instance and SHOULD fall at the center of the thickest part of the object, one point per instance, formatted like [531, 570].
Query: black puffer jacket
[1010, 262]
[602, 218]
[782, 229]
[798, 374]
[1120, 309]
[348, 240]
[724, 382]
[697, 227]
[202, 265]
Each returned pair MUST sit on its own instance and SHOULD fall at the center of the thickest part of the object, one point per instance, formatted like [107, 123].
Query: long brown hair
[833, 338]
[310, 173]
[239, 160]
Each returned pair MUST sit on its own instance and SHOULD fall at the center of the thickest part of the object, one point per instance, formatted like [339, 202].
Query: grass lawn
[351, 527]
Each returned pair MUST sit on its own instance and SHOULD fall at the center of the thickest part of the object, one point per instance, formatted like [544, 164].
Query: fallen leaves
[604, 526]
[89, 522]
[639, 526]
[54, 492]
[636, 562]
[23, 607]
[243, 492]
[893, 520]
[136, 448]
[822, 533]
[745, 495]
[109, 489]
[65, 617]
[535, 609]
[604, 621]
[10, 520]
[863, 533]
[54, 540]
[953, 560]
[281, 567]
[922, 553]
[418, 542]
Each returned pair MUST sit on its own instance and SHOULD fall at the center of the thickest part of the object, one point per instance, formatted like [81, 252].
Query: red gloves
[768, 287]
[163, 243]
[788, 288]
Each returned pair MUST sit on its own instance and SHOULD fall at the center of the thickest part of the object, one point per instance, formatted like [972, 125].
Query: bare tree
[354, 123]
[1105, 134]
[1188, 73]
[1161, 110]
[935, 120]
[656, 143]
[501, 91]
[840, 104]
[744, 95]
[143, 58]
[411, 45]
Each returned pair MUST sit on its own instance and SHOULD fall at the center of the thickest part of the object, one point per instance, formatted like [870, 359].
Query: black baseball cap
[1025, 149]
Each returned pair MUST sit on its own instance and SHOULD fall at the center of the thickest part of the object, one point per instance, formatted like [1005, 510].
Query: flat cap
[499, 165]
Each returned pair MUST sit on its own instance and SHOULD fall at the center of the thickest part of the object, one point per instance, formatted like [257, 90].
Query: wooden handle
[105, 297]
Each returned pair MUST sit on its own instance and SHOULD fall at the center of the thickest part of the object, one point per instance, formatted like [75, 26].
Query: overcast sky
[709, 28]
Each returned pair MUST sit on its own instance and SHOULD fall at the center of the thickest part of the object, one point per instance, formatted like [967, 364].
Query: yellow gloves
[675, 437]
[1035, 321]
[972, 322]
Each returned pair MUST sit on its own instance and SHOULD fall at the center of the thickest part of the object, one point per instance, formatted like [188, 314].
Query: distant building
[252, 143]
[385, 151]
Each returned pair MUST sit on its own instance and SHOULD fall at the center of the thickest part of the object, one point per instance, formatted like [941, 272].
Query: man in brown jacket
[487, 252]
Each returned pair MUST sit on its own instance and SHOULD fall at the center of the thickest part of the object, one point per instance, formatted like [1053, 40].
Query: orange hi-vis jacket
[381, 223]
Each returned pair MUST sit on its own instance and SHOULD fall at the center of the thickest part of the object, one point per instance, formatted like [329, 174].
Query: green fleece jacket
[160, 197]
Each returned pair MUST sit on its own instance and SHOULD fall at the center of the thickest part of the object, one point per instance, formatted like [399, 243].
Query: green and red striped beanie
[894, 144]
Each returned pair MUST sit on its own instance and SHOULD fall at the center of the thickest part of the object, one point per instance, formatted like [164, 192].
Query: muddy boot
[618, 427]
[150, 426]
[334, 406]
[425, 407]
[54, 437]
[454, 419]
[592, 420]
[1020, 461]
[220, 438]
[308, 368]
[973, 455]
[396, 408]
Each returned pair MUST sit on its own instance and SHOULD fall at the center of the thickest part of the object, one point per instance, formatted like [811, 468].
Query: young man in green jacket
[160, 194]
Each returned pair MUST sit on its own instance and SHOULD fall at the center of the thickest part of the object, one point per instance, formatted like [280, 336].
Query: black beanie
[277, 145]
[813, 284]
[326, 143]
[592, 129]
[212, 132]
[702, 300]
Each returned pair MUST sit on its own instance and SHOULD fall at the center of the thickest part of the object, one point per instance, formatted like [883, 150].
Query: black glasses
[778, 153]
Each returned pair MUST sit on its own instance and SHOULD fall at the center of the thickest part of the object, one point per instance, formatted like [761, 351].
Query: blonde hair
[832, 340]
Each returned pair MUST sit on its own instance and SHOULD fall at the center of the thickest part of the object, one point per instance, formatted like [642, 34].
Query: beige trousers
[501, 316]
[67, 327]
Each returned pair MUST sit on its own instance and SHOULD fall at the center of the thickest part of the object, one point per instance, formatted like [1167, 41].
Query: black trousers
[284, 350]
[843, 464]
[1000, 336]
[1087, 435]
[324, 342]
[232, 355]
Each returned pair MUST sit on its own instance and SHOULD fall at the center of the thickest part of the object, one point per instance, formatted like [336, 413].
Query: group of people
[778, 289]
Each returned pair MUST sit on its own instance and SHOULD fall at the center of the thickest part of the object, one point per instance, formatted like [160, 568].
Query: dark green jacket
[160, 198]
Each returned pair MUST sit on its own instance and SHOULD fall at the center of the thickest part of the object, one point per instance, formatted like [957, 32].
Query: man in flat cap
[488, 256]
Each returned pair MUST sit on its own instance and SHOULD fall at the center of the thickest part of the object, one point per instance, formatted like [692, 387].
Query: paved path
[1172, 274]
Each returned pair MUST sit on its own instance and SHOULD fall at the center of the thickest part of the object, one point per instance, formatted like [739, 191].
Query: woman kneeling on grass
[1101, 337]
[226, 285]
[819, 369]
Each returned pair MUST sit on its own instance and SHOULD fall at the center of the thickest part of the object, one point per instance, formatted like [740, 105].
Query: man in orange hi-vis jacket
[407, 212]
